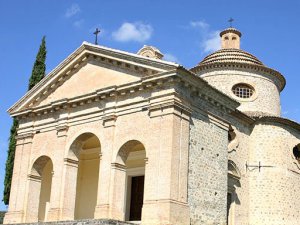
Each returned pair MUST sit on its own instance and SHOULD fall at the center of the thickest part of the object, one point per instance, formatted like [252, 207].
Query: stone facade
[130, 137]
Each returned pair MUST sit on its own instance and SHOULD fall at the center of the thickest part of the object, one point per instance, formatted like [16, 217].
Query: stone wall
[266, 97]
[207, 186]
[274, 194]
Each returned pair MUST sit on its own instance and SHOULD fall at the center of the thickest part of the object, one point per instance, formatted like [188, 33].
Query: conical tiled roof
[231, 55]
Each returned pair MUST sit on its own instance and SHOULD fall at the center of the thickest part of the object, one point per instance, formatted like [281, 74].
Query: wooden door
[137, 197]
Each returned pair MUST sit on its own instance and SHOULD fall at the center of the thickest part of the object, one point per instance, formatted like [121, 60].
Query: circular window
[243, 90]
[296, 152]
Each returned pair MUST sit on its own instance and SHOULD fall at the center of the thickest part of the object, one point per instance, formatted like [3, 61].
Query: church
[116, 136]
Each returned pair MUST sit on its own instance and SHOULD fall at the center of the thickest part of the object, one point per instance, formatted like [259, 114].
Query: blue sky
[185, 31]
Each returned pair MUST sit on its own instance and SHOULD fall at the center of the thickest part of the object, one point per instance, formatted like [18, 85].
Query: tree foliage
[10, 161]
[39, 67]
[38, 73]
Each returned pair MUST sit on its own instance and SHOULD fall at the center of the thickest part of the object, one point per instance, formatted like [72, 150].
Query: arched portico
[39, 190]
[129, 176]
[82, 177]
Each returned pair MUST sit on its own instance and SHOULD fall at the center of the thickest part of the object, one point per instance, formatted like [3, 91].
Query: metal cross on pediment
[230, 21]
[96, 35]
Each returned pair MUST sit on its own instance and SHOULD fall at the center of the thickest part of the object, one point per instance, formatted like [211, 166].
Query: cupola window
[243, 90]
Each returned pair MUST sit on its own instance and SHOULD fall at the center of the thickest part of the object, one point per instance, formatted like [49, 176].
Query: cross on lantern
[230, 21]
[96, 35]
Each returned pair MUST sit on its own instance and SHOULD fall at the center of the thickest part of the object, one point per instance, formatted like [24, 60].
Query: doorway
[136, 198]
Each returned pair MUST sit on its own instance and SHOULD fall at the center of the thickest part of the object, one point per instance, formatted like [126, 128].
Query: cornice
[189, 81]
[127, 61]
[280, 120]
[241, 66]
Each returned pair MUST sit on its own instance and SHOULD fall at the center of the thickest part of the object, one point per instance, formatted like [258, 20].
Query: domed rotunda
[242, 76]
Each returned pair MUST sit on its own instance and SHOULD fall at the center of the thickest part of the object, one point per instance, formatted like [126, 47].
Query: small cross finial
[96, 35]
[230, 21]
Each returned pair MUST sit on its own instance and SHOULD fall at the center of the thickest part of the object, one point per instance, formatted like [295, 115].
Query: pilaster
[16, 210]
[55, 210]
[165, 198]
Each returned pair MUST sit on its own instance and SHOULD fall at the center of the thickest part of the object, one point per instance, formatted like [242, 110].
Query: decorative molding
[172, 106]
[34, 177]
[87, 51]
[237, 65]
[62, 130]
[118, 166]
[71, 162]
[109, 120]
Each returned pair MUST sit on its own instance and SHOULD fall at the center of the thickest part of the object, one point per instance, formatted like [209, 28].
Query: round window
[296, 152]
[243, 90]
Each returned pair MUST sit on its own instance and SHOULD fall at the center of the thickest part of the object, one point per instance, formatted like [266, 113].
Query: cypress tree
[38, 73]
[10, 161]
[39, 67]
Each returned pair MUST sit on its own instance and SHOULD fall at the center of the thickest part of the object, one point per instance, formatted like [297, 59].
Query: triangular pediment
[88, 69]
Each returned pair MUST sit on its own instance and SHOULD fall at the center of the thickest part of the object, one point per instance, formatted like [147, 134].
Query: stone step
[83, 222]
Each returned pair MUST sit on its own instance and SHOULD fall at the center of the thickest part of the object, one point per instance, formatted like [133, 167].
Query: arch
[78, 143]
[131, 157]
[129, 146]
[39, 164]
[39, 193]
[84, 151]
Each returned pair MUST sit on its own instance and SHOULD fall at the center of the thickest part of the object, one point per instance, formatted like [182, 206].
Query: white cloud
[73, 10]
[133, 32]
[78, 23]
[210, 40]
[199, 24]
[171, 58]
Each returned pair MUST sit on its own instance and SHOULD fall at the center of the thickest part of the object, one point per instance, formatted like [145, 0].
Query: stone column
[16, 209]
[34, 188]
[69, 197]
[57, 181]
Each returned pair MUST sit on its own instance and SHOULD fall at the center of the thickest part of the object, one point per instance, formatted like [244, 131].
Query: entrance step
[82, 222]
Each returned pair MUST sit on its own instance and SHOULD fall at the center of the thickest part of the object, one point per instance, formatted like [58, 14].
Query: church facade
[114, 135]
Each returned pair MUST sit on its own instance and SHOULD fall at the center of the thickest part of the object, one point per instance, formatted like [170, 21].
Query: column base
[53, 214]
[13, 217]
[164, 212]
[116, 214]
[102, 211]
